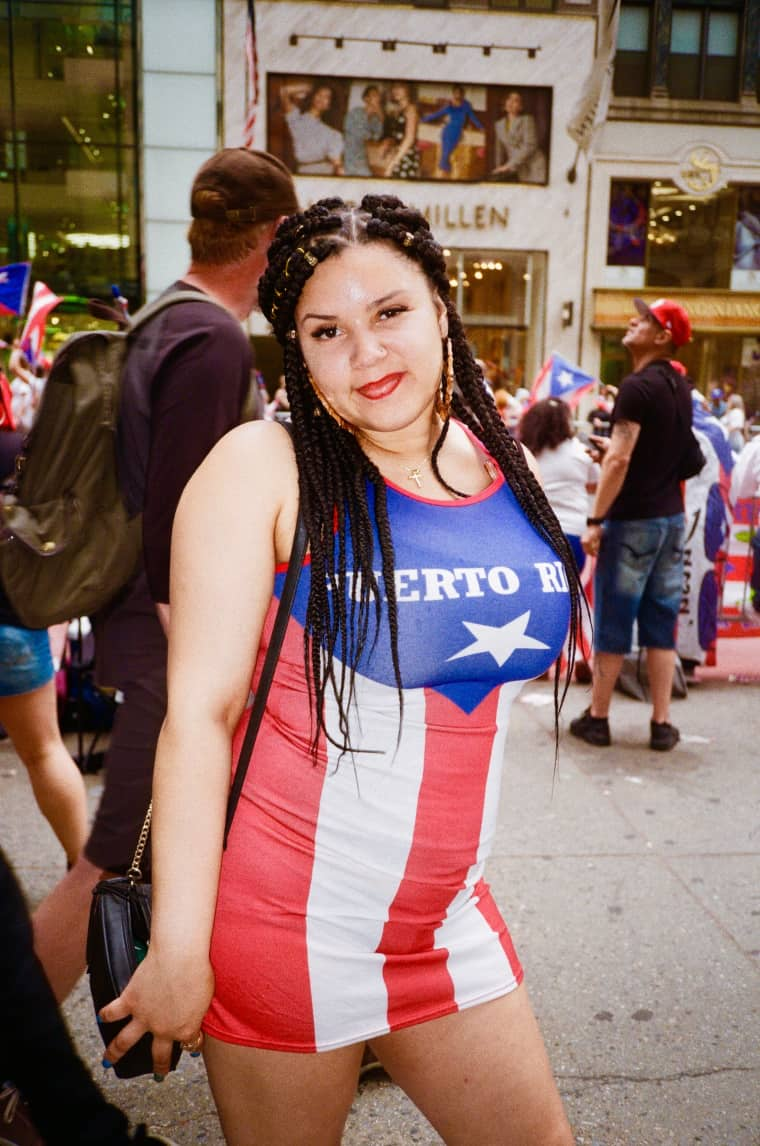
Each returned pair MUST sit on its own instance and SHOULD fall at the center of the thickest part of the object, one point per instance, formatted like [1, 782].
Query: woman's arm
[234, 522]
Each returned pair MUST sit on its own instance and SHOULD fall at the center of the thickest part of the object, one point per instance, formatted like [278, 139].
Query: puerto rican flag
[560, 378]
[14, 283]
[353, 891]
[33, 334]
[7, 420]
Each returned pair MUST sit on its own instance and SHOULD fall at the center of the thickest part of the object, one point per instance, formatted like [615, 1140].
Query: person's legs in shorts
[28, 710]
[658, 615]
[618, 583]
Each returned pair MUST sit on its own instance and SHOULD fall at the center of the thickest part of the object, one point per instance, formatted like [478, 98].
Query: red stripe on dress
[492, 916]
[259, 945]
[444, 847]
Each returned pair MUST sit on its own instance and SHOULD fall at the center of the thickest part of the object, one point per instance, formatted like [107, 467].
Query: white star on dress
[499, 640]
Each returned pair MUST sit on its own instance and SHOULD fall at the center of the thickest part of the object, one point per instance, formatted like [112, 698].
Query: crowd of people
[349, 909]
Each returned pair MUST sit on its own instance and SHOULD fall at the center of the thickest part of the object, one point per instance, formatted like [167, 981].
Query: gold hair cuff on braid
[311, 259]
[323, 404]
[446, 388]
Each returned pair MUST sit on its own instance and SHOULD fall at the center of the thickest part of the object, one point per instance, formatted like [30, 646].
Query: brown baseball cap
[238, 185]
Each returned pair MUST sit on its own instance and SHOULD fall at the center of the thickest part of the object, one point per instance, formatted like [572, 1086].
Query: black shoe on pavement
[663, 736]
[593, 729]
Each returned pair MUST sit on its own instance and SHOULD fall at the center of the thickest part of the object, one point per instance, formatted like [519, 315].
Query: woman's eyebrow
[370, 306]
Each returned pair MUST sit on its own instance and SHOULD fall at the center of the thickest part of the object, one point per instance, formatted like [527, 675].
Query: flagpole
[572, 171]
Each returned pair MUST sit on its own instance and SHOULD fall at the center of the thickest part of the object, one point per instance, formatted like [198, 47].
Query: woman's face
[513, 104]
[370, 328]
[321, 100]
[372, 102]
[400, 95]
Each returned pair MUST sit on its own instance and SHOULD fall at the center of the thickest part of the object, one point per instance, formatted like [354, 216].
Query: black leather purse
[118, 935]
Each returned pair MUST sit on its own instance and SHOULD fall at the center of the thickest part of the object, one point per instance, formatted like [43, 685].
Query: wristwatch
[594, 521]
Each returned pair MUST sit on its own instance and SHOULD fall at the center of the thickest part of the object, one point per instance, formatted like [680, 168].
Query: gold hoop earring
[323, 404]
[446, 388]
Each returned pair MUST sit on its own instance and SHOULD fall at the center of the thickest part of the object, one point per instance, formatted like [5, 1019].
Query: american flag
[252, 77]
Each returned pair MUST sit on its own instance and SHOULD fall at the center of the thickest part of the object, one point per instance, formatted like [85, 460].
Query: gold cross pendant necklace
[414, 473]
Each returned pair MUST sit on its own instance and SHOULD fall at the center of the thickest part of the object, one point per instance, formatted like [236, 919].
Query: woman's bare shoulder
[251, 469]
[254, 450]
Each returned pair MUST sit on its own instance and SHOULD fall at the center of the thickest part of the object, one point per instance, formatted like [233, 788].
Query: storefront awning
[711, 312]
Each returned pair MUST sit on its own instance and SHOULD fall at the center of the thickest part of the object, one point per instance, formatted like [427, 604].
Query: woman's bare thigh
[481, 1076]
[276, 1098]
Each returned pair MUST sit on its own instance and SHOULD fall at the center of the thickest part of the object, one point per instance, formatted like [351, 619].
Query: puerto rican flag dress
[352, 900]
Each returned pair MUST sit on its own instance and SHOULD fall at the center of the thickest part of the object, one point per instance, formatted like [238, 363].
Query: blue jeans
[25, 660]
[639, 578]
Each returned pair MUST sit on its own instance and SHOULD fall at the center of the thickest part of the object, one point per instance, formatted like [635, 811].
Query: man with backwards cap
[187, 378]
[636, 529]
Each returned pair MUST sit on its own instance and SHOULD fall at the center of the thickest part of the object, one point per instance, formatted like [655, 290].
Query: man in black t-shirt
[187, 378]
[636, 530]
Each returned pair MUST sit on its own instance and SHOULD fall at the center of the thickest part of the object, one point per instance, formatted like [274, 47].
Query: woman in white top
[568, 475]
[733, 422]
[567, 471]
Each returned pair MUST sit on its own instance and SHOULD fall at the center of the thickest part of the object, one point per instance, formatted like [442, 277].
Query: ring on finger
[193, 1044]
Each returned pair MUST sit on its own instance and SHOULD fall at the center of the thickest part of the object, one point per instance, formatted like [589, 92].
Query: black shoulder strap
[295, 564]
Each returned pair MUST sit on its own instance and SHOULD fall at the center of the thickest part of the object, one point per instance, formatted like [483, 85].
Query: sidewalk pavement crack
[706, 1072]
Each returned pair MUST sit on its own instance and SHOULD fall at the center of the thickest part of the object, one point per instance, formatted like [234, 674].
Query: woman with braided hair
[350, 905]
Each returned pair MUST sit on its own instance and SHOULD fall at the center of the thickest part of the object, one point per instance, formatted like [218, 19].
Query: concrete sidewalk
[631, 886]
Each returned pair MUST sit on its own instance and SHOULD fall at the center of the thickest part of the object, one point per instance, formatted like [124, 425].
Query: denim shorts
[639, 577]
[25, 660]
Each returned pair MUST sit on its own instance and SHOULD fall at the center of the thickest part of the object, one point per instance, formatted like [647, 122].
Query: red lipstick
[381, 388]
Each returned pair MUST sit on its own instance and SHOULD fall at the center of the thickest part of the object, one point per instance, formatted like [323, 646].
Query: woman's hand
[166, 997]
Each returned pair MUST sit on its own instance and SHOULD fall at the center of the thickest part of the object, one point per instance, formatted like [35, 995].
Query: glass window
[704, 53]
[627, 224]
[500, 296]
[722, 62]
[690, 241]
[632, 58]
[68, 166]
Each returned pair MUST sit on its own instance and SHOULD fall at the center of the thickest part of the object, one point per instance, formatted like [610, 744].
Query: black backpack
[68, 543]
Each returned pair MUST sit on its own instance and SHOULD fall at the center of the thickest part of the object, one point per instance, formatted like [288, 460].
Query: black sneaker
[593, 729]
[663, 736]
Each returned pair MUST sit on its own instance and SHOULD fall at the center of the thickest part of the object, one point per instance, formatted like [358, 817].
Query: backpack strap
[151, 309]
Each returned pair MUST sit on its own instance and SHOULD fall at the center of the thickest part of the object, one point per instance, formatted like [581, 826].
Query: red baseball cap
[670, 316]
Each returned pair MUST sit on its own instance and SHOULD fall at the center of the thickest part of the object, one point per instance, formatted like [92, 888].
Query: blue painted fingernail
[195, 1054]
[159, 1077]
[107, 1064]
[98, 1020]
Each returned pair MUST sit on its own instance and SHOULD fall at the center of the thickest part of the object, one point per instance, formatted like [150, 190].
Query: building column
[751, 67]
[181, 126]
[663, 19]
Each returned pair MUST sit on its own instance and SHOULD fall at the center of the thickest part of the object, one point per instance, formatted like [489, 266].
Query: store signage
[709, 312]
[465, 216]
[700, 170]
